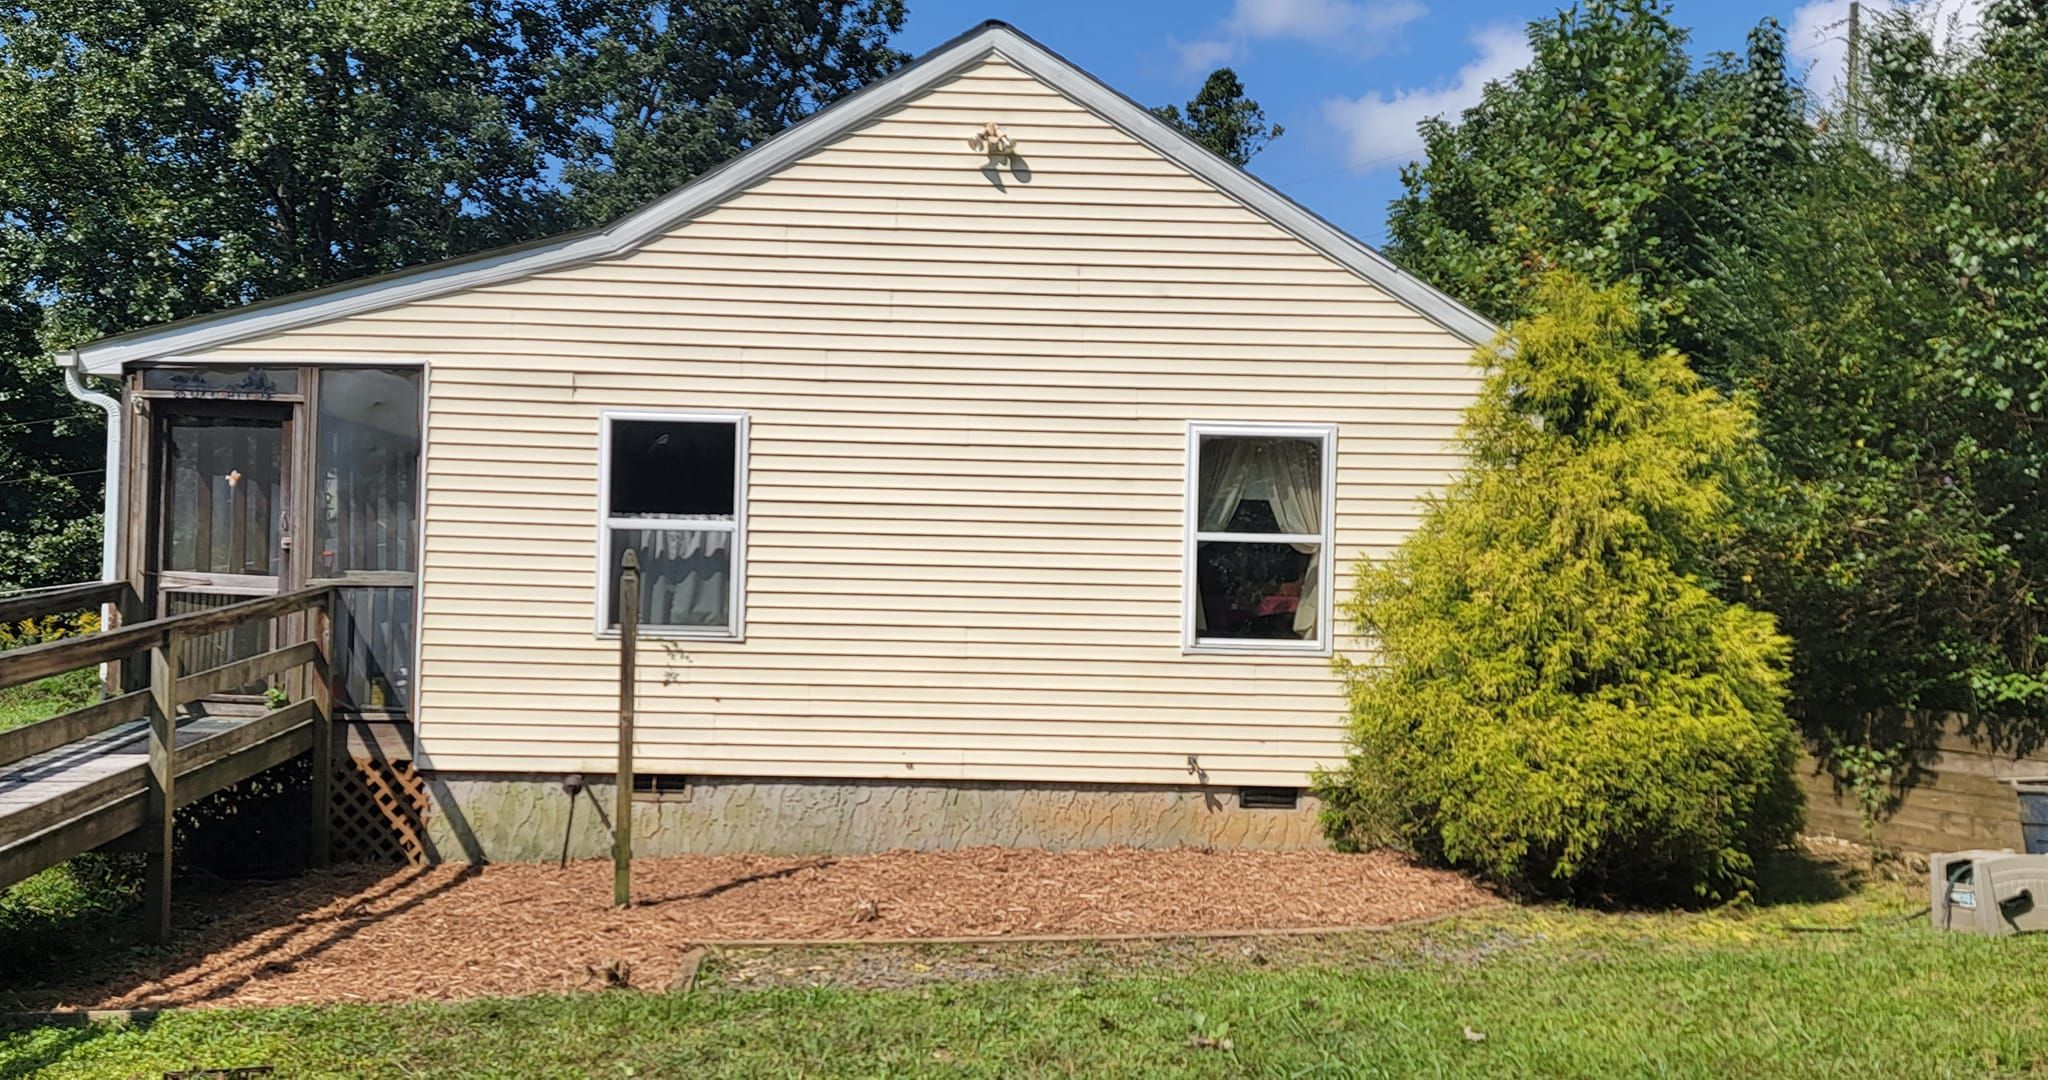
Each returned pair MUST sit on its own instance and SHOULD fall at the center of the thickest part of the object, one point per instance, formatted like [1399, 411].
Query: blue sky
[1346, 77]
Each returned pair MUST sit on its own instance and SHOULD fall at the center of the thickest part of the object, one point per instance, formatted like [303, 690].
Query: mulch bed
[458, 932]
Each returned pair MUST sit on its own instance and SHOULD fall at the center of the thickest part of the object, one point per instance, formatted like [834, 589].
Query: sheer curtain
[1224, 476]
[1226, 473]
[1294, 482]
[685, 577]
[1287, 475]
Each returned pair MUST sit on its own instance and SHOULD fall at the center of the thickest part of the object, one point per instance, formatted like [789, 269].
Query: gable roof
[188, 336]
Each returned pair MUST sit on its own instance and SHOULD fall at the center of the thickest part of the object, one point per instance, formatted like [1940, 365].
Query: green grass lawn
[1853, 986]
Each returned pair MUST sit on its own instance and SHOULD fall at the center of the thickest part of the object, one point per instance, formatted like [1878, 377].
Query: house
[994, 454]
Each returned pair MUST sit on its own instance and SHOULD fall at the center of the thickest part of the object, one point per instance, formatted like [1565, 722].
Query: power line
[47, 476]
[19, 424]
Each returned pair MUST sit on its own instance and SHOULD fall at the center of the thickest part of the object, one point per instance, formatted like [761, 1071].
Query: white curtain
[685, 576]
[1227, 467]
[1294, 478]
[1287, 474]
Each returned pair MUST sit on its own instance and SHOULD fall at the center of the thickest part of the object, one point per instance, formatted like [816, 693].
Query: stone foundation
[476, 817]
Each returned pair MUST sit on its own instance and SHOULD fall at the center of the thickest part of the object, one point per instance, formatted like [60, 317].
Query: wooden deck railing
[61, 599]
[175, 775]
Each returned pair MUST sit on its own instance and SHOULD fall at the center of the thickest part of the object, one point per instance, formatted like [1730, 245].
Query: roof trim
[108, 355]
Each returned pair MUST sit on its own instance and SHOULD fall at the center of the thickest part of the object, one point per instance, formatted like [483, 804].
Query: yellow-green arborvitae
[1558, 700]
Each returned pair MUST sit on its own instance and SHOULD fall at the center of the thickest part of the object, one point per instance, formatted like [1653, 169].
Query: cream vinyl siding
[968, 406]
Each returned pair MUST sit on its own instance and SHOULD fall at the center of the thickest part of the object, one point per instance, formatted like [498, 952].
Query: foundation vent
[660, 784]
[1268, 798]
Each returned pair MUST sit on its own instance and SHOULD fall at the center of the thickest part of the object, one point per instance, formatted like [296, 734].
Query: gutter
[110, 513]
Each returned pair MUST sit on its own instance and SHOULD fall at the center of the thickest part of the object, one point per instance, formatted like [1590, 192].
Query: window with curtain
[674, 492]
[1259, 514]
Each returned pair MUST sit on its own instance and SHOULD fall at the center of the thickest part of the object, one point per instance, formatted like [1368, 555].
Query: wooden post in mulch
[622, 813]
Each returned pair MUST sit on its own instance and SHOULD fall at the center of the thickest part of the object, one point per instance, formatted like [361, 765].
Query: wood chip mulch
[457, 931]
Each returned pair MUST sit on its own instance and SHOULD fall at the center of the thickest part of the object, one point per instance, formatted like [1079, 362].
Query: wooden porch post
[319, 850]
[622, 813]
[159, 799]
[132, 670]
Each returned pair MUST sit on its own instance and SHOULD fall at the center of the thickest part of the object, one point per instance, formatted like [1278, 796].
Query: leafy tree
[166, 158]
[1609, 155]
[641, 95]
[1887, 315]
[50, 459]
[1221, 118]
[1875, 292]
[1560, 701]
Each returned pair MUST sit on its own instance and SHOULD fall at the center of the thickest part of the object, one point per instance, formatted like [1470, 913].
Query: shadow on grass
[65, 911]
[1803, 875]
[1806, 873]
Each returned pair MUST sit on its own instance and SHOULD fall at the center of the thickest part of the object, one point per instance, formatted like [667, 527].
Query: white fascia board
[192, 336]
[107, 356]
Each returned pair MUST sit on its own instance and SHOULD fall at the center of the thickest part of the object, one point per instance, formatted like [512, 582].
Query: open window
[673, 488]
[1259, 507]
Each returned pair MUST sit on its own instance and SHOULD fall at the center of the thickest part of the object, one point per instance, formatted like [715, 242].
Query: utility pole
[1852, 106]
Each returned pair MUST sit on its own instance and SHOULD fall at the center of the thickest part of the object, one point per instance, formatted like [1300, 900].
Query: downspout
[110, 513]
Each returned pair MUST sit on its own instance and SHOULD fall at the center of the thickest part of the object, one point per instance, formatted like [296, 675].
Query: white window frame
[1192, 643]
[736, 581]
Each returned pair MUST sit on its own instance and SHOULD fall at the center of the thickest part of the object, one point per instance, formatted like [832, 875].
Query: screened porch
[251, 481]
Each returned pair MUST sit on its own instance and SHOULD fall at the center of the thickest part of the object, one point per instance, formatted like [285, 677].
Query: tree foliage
[1560, 700]
[1610, 155]
[50, 455]
[1888, 313]
[1874, 288]
[1223, 119]
[166, 158]
[173, 156]
[641, 95]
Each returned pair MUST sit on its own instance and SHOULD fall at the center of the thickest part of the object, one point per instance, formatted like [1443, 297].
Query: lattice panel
[380, 812]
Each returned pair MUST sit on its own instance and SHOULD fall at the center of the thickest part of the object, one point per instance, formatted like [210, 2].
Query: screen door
[222, 513]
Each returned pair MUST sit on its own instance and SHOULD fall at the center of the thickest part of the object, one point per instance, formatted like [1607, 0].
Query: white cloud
[1381, 127]
[1205, 54]
[1819, 34]
[1361, 27]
